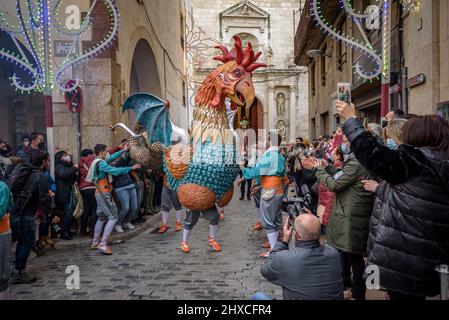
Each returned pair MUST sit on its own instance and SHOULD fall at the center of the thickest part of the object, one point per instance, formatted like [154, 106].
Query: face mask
[391, 144]
[41, 146]
[108, 155]
[67, 159]
[345, 149]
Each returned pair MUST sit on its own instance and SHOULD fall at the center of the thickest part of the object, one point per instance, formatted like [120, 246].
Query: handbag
[77, 198]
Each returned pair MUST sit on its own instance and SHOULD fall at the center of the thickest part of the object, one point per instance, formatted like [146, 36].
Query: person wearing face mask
[66, 174]
[409, 228]
[37, 143]
[392, 138]
[348, 225]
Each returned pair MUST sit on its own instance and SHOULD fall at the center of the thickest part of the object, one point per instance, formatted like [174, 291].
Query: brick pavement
[150, 266]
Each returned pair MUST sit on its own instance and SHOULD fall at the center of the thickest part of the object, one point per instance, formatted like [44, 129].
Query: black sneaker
[22, 278]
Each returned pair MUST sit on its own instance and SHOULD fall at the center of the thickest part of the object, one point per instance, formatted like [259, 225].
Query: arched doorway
[251, 119]
[22, 114]
[144, 73]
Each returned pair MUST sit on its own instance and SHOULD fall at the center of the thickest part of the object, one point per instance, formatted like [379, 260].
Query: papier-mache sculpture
[202, 168]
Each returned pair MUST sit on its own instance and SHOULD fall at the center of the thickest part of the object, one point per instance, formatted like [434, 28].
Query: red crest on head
[246, 58]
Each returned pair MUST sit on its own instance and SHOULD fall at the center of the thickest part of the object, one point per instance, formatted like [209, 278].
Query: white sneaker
[129, 226]
[119, 229]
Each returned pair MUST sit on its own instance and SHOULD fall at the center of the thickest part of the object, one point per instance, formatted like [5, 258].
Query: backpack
[16, 181]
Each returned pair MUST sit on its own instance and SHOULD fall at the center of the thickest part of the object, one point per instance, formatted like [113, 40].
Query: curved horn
[124, 127]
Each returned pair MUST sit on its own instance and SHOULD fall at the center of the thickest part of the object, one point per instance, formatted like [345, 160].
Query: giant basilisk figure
[202, 168]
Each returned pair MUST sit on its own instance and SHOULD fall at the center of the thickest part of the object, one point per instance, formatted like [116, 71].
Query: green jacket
[348, 226]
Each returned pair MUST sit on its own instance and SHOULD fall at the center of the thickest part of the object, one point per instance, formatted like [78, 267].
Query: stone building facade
[148, 56]
[424, 42]
[281, 90]
[426, 46]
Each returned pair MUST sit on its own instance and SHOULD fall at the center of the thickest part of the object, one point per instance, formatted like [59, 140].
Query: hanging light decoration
[374, 66]
[411, 5]
[37, 21]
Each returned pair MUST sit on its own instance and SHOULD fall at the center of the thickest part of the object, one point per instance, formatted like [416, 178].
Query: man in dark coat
[66, 176]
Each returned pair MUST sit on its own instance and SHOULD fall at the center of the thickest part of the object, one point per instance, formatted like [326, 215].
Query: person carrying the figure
[100, 173]
[271, 170]
[169, 200]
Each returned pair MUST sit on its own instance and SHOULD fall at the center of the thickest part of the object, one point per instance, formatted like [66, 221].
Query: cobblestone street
[151, 266]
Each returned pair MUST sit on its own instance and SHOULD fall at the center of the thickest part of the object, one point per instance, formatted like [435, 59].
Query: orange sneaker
[185, 247]
[266, 245]
[257, 226]
[163, 229]
[265, 254]
[178, 226]
[105, 249]
[215, 246]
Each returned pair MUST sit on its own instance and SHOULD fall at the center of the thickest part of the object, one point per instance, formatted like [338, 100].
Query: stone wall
[426, 39]
[269, 23]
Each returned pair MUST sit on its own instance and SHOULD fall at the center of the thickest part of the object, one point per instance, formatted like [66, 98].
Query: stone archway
[144, 75]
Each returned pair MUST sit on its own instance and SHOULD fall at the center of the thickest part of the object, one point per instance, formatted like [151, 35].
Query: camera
[295, 206]
[56, 228]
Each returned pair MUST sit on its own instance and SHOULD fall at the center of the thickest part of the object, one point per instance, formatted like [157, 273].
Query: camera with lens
[56, 228]
[295, 206]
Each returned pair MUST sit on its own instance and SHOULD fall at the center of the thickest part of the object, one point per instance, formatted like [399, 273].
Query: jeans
[90, 208]
[128, 200]
[260, 296]
[242, 188]
[140, 194]
[357, 264]
[23, 231]
[5, 260]
[68, 216]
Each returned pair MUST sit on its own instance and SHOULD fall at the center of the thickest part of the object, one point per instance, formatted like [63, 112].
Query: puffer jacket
[409, 229]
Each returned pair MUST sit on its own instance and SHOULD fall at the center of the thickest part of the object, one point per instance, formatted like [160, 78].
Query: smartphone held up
[344, 92]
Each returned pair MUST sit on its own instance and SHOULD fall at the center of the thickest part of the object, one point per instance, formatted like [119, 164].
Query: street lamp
[317, 53]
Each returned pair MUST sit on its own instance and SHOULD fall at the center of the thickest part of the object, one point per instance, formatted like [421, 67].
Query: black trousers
[90, 208]
[157, 197]
[356, 264]
[247, 183]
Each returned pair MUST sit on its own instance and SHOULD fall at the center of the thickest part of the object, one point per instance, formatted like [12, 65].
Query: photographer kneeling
[310, 271]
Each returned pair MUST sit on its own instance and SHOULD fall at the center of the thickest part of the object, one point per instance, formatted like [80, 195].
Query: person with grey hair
[310, 270]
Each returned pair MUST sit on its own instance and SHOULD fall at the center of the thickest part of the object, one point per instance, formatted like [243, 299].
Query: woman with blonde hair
[393, 133]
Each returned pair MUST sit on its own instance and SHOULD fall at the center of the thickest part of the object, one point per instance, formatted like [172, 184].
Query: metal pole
[48, 91]
[386, 55]
[443, 270]
[404, 89]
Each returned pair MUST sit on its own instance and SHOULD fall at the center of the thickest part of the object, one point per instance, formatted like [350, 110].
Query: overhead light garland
[371, 17]
[411, 5]
[36, 21]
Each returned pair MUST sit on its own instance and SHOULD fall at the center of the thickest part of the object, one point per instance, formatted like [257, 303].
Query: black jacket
[409, 228]
[66, 176]
[34, 195]
[310, 271]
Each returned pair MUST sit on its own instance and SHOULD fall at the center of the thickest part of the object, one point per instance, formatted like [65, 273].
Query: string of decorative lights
[36, 21]
[363, 46]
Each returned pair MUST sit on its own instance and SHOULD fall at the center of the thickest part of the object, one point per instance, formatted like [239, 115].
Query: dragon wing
[153, 114]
